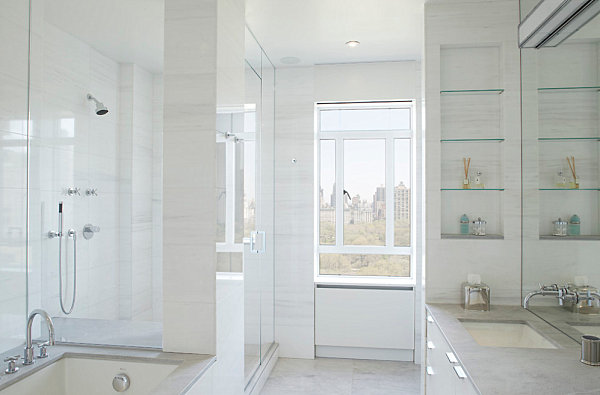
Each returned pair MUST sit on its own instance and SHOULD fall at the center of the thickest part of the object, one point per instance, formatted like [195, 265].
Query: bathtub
[90, 371]
[77, 376]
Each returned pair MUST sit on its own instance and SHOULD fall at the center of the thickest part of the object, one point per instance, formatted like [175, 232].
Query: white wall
[297, 91]
[469, 30]
[189, 146]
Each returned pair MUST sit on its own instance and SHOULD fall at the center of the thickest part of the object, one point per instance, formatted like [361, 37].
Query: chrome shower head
[100, 107]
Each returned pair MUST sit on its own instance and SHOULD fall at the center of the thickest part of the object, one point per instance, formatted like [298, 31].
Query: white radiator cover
[369, 318]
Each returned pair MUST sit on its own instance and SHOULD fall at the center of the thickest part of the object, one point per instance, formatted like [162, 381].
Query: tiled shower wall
[14, 21]
[118, 153]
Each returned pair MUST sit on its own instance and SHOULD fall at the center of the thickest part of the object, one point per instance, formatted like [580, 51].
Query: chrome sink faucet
[562, 293]
[28, 358]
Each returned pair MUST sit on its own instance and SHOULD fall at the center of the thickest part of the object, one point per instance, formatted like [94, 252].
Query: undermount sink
[506, 334]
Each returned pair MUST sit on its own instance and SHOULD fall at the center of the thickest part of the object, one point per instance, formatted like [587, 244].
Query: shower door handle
[263, 241]
[254, 241]
[253, 235]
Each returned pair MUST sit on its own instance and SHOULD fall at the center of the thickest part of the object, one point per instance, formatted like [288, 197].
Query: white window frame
[388, 249]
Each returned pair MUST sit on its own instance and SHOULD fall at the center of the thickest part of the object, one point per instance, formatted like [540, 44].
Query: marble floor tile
[342, 377]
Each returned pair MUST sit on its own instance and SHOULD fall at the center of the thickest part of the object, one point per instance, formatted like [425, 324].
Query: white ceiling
[315, 31]
[128, 31]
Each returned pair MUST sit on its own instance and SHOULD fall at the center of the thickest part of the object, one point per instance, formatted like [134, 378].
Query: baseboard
[380, 354]
[259, 379]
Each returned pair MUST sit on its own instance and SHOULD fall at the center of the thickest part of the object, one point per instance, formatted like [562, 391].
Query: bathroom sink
[506, 334]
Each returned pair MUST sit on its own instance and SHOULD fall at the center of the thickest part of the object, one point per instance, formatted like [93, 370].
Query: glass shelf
[453, 236]
[570, 238]
[570, 88]
[569, 189]
[569, 139]
[474, 189]
[472, 92]
[471, 140]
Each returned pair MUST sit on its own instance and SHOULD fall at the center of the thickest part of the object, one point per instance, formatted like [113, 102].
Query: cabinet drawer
[444, 374]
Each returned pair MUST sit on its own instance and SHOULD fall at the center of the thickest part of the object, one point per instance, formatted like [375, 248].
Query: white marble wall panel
[482, 71]
[189, 260]
[475, 116]
[294, 228]
[471, 46]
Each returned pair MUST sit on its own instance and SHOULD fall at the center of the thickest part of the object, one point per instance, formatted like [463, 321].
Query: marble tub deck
[507, 370]
[342, 377]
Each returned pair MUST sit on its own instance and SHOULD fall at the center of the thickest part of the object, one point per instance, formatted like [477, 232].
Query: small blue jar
[464, 225]
[574, 228]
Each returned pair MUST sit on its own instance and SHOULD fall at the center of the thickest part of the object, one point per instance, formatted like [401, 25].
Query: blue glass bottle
[464, 225]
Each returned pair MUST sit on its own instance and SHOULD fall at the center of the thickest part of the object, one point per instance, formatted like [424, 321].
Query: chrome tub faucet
[28, 358]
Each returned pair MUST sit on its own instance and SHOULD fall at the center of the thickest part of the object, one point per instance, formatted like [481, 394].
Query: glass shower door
[252, 258]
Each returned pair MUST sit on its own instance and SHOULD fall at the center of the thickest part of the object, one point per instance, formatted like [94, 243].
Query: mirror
[561, 178]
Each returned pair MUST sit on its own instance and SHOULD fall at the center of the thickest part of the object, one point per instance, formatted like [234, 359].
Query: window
[364, 189]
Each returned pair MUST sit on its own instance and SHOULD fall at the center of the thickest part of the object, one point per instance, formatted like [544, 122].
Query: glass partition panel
[95, 178]
[14, 38]
[561, 177]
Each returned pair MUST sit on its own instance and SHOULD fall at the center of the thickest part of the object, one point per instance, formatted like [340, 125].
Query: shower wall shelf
[472, 92]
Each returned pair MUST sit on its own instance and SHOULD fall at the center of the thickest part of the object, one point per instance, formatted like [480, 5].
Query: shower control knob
[91, 192]
[121, 382]
[89, 230]
[73, 191]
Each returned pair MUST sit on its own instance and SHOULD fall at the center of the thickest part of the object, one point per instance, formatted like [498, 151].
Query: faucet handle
[43, 349]
[12, 364]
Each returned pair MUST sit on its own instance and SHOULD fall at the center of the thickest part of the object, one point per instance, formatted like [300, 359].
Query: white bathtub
[74, 375]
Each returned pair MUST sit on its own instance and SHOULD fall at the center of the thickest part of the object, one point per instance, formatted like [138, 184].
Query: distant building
[379, 203]
[401, 202]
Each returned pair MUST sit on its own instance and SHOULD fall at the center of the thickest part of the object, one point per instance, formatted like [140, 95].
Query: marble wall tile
[189, 261]
[294, 292]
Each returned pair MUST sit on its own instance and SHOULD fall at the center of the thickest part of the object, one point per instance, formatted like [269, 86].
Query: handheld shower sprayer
[101, 109]
[72, 234]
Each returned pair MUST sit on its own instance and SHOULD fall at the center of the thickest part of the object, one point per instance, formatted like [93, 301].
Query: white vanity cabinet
[444, 375]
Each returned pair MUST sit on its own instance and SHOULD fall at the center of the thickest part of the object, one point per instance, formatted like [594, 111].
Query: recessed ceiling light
[352, 43]
[290, 60]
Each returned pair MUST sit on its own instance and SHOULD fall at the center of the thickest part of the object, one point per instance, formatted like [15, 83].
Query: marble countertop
[190, 367]
[504, 370]
[564, 320]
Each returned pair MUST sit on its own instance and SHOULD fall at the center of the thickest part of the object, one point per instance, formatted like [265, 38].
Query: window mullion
[339, 192]
[389, 191]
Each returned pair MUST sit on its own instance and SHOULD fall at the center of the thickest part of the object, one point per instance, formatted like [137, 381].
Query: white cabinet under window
[364, 323]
